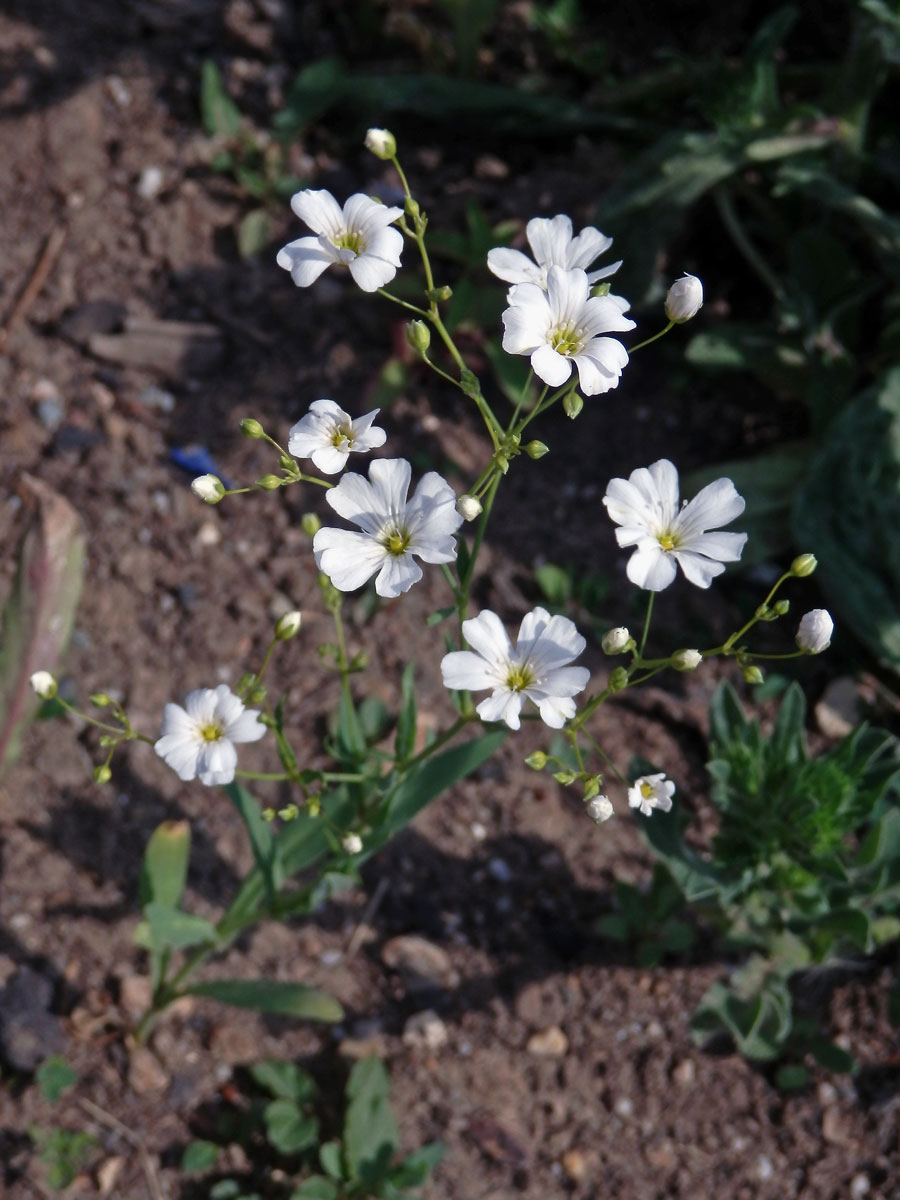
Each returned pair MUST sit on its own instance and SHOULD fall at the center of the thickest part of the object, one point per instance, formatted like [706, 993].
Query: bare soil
[562, 1069]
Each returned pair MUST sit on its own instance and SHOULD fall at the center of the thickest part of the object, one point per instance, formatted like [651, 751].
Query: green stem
[655, 338]
[755, 260]
[646, 625]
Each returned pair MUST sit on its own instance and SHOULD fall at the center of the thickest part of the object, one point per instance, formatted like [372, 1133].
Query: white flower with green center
[327, 435]
[358, 237]
[665, 535]
[553, 245]
[651, 791]
[393, 528]
[535, 669]
[564, 325]
[197, 741]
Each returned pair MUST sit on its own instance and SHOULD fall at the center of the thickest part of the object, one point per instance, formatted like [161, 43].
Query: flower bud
[360, 660]
[411, 207]
[102, 774]
[752, 674]
[537, 760]
[208, 488]
[469, 508]
[419, 336]
[270, 483]
[782, 607]
[803, 565]
[440, 293]
[100, 700]
[537, 449]
[616, 641]
[351, 843]
[43, 684]
[572, 405]
[251, 428]
[601, 289]
[618, 679]
[310, 524]
[600, 809]
[814, 633]
[288, 625]
[564, 777]
[684, 299]
[381, 143]
[686, 660]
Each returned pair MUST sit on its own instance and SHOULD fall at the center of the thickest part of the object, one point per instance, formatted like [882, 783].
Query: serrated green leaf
[271, 996]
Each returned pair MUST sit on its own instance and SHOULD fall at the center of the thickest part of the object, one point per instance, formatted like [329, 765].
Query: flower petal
[466, 670]
[319, 210]
[397, 575]
[553, 368]
[652, 569]
[513, 266]
[346, 557]
[305, 259]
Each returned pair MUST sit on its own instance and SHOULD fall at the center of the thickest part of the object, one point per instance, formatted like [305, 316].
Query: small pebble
[764, 1168]
[575, 1165]
[860, 1186]
[623, 1107]
[500, 870]
[150, 183]
[479, 833]
[548, 1043]
[426, 1030]
[157, 397]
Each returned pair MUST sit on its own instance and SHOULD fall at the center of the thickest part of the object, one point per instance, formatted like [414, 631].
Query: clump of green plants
[360, 1162]
[803, 871]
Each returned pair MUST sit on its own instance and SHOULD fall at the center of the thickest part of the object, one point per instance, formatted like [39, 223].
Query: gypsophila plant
[560, 314]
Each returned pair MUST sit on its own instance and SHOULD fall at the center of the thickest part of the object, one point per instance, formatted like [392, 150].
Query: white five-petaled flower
[393, 528]
[327, 435]
[815, 630]
[552, 245]
[359, 237]
[646, 507]
[197, 741]
[564, 325]
[536, 668]
[651, 791]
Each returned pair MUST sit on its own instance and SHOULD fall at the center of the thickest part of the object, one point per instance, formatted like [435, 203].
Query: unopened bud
[251, 428]
[537, 760]
[412, 207]
[209, 488]
[616, 641]
[591, 787]
[537, 449]
[381, 143]
[564, 777]
[600, 809]
[359, 661]
[469, 507]
[310, 524]
[782, 607]
[288, 625]
[803, 565]
[752, 674]
[572, 405]
[351, 843]
[440, 293]
[43, 684]
[100, 700]
[102, 774]
[814, 633]
[684, 299]
[618, 679]
[686, 660]
[419, 336]
[600, 289]
[270, 483]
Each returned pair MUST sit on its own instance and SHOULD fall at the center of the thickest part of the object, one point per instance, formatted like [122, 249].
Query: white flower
[684, 299]
[209, 488]
[351, 843]
[651, 791]
[646, 506]
[198, 740]
[327, 435]
[357, 237]
[552, 245]
[537, 667]
[814, 633]
[615, 641]
[381, 143]
[43, 684]
[563, 326]
[600, 809]
[393, 528]
[469, 507]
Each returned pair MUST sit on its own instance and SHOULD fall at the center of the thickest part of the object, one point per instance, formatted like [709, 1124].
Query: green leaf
[831, 1057]
[263, 842]
[350, 736]
[370, 1129]
[284, 1080]
[317, 1187]
[164, 869]
[287, 999]
[414, 1170]
[175, 929]
[555, 583]
[254, 233]
[53, 1076]
[288, 1129]
[440, 614]
[405, 737]
[199, 1156]
[38, 616]
[330, 1158]
[792, 1077]
[219, 113]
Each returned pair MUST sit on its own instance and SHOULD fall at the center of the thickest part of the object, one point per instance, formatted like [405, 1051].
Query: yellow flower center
[565, 340]
[350, 240]
[647, 791]
[667, 540]
[395, 541]
[519, 677]
[211, 733]
[342, 436]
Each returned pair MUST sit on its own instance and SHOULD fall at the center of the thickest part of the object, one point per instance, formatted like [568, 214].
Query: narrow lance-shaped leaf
[38, 616]
[164, 869]
[263, 995]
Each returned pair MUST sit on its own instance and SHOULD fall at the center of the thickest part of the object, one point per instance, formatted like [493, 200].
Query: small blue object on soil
[197, 460]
